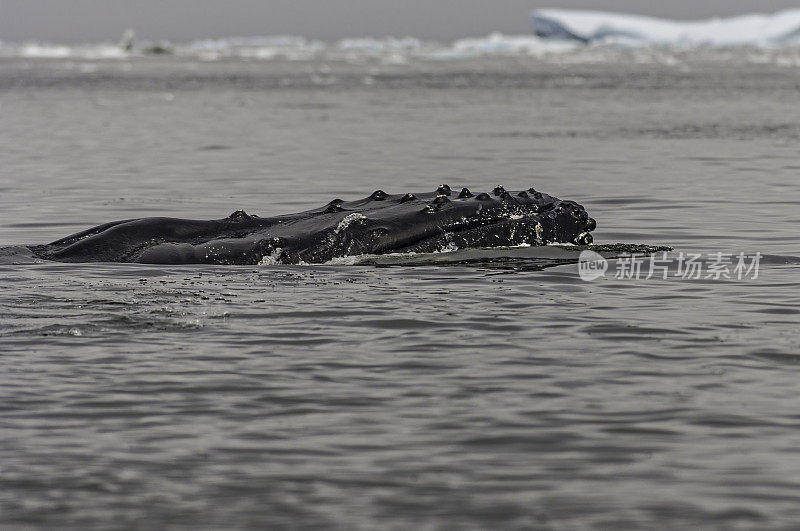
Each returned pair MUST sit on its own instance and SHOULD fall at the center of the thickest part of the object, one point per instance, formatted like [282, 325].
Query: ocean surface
[433, 393]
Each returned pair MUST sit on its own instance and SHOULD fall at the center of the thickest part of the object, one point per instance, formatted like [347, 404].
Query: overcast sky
[72, 21]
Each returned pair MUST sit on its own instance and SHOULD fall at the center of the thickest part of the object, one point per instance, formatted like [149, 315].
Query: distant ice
[499, 44]
[593, 27]
[50, 51]
[288, 47]
[45, 51]
[561, 36]
[380, 45]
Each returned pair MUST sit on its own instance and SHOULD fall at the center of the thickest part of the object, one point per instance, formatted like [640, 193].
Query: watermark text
[686, 266]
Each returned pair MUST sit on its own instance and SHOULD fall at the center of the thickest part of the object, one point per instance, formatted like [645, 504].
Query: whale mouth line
[520, 257]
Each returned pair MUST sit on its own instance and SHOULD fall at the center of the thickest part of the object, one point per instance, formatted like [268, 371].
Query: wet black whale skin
[378, 224]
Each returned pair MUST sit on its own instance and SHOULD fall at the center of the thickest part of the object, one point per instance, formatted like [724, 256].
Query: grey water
[466, 395]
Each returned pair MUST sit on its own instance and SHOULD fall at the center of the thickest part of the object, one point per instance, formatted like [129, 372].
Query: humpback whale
[378, 224]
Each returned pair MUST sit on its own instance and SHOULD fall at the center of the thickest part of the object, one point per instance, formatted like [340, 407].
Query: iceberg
[780, 28]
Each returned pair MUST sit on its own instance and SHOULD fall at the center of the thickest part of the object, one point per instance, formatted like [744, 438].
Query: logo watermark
[591, 265]
[686, 266]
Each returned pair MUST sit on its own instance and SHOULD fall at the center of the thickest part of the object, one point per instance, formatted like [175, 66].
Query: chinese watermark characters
[686, 266]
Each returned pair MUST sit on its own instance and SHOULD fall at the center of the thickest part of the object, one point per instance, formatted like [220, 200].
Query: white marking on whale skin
[271, 259]
[348, 220]
[450, 246]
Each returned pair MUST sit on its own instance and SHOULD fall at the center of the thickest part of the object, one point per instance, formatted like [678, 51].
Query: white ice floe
[592, 26]
[45, 51]
[387, 44]
[499, 44]
[35, 50]
[289, 47]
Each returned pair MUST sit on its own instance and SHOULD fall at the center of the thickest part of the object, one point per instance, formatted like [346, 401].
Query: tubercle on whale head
[379, 195]
[487, 215]
[334, 206]
[510, 217]
[558, 220]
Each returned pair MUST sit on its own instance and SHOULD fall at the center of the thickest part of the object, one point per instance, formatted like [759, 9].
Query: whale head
[377, 224]
[428, 222]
